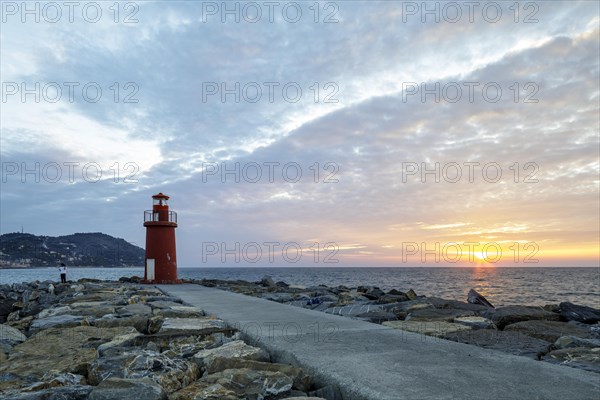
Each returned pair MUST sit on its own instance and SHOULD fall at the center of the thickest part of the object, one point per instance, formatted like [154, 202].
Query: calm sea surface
[501, 286]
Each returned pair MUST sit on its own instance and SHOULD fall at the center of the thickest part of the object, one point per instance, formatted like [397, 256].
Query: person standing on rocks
[63, 273]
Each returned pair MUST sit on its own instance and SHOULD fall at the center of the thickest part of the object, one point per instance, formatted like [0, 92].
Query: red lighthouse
[161, 256]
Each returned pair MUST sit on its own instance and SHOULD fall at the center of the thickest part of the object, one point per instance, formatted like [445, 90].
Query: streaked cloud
[371, 135]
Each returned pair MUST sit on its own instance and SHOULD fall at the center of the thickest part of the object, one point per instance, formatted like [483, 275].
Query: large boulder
[50, 312]
[475, 322]
[353, 310]
[548, 330]
[154, 324]
[411, 294]
[373, 293]
[128, 389]
[187, 346]
[435, 314]
[57, 349]
[56, 321]
[211, 359]
[182, 343]
[566, 342]
[429, 328]
[9, 337]
[302, 382]
[135, 309]
[140, 323]
[54, 379]
[504, 316]
[438, 302]
[170, 373]
[10, 334]
[204, 391]
[21, 324]
[415, 305]
[195, 326]
[47, 300]
[30, 295]
[587, 358]
[120, 341]
[27, 309]
[99, 297]
[6, 307]
[474, 297]
[392, 298]
[346, 298]
[267, 281]
[92, 308]
[454, 304]
[237, 383]
[112, 363]
[378, 316]
[278, 297]
[179, 312]
[73, 392]
[574, 312]
[508, 342]
[147, 297]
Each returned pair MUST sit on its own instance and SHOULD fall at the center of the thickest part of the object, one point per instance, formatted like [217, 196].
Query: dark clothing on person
[63, 273]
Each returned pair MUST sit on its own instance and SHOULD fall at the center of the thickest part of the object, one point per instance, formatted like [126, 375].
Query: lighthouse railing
[153, 216]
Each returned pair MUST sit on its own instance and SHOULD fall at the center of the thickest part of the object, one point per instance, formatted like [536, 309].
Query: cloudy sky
[366, 129]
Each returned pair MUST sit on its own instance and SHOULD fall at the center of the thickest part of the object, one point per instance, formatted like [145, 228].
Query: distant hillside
[80, 249]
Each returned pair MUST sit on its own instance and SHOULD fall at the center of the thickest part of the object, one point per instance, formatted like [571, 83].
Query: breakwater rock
[120, 340]
[563, 333]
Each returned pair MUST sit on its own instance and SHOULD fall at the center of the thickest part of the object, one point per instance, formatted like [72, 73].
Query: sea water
[501, 286]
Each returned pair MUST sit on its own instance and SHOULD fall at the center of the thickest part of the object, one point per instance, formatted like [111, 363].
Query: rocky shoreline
[99, 340]
[564, 333]
[96, 340]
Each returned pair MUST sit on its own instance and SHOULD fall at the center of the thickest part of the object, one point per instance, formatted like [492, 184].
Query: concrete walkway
[370, 361]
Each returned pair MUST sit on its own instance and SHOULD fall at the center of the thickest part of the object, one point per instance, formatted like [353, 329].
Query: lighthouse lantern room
[161, 256]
